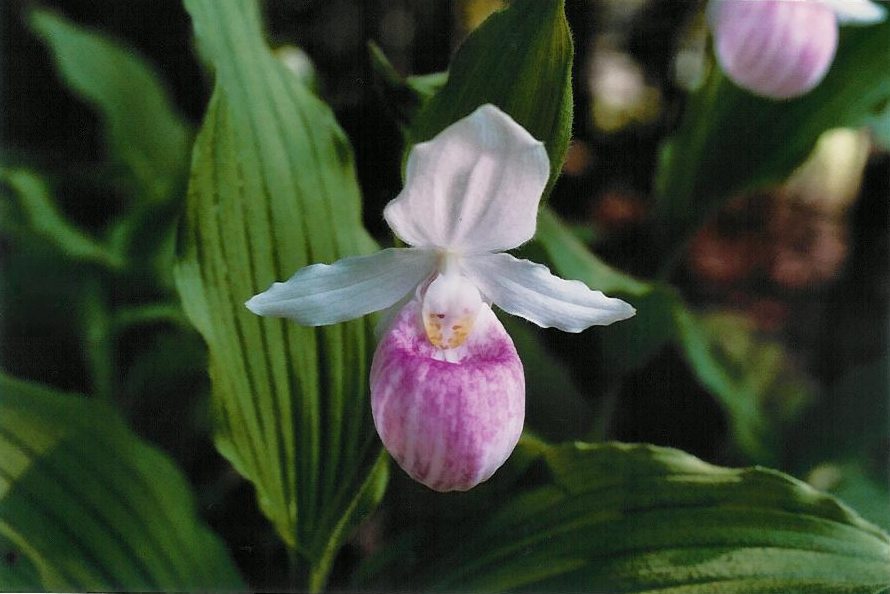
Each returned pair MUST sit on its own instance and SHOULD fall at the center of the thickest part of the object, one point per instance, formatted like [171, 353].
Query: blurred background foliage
[762, 338]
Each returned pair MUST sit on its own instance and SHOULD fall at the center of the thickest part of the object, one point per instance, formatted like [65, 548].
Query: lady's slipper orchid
[447, 386]
[782, 49]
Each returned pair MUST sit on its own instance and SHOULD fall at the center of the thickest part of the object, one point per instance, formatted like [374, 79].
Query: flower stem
[602, 423]
[297, 574]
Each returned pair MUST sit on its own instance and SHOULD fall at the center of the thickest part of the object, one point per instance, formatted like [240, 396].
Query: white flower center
[449, 310]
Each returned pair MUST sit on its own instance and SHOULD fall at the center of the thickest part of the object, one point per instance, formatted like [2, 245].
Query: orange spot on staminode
[448, 336]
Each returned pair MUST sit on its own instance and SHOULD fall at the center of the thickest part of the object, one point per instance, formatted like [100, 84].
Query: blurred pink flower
[782, 49]
[447, 386]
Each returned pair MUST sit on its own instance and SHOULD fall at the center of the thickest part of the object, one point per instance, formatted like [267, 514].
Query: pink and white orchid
[782, 49]
[447, 386]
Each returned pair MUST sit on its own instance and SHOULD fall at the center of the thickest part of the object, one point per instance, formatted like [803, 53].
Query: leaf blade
[273, 188]
[519, 59]
[637, 518]
[43, 218]
[96, 510]
[143, 128]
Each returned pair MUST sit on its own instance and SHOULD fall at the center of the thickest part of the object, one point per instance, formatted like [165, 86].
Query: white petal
[862, 12]
[529, 290]
[475, 187]
[329, 293]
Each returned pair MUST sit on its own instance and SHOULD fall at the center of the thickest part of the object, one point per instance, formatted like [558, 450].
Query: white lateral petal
[475, 187]
[862, 12]
[529, 290]
[329, 293]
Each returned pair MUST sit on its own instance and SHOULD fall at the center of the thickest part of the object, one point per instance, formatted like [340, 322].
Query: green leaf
[637, 518]
[629, 344]
[37, 214]
[731, 141]
[852, 480]
[841, 442]
[85, 505]
[147, 314]
[272, 189]
[144, 130]
[405, 96]
[572, 258]
[519, 59]
[427, 85]
[750, 376]
[98, 344]
[17, 572]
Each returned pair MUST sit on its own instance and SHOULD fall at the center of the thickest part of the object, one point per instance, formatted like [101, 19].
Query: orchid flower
[447, 386]
[782, 49]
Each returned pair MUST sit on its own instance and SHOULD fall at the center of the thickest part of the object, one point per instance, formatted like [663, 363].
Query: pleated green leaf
[643, 519]
[145, 133]
[519, 59]
[731, 141]
[85, 505]
[273, 189]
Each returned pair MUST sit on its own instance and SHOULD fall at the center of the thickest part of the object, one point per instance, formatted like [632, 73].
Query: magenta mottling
[775, 48]
[448, 425]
